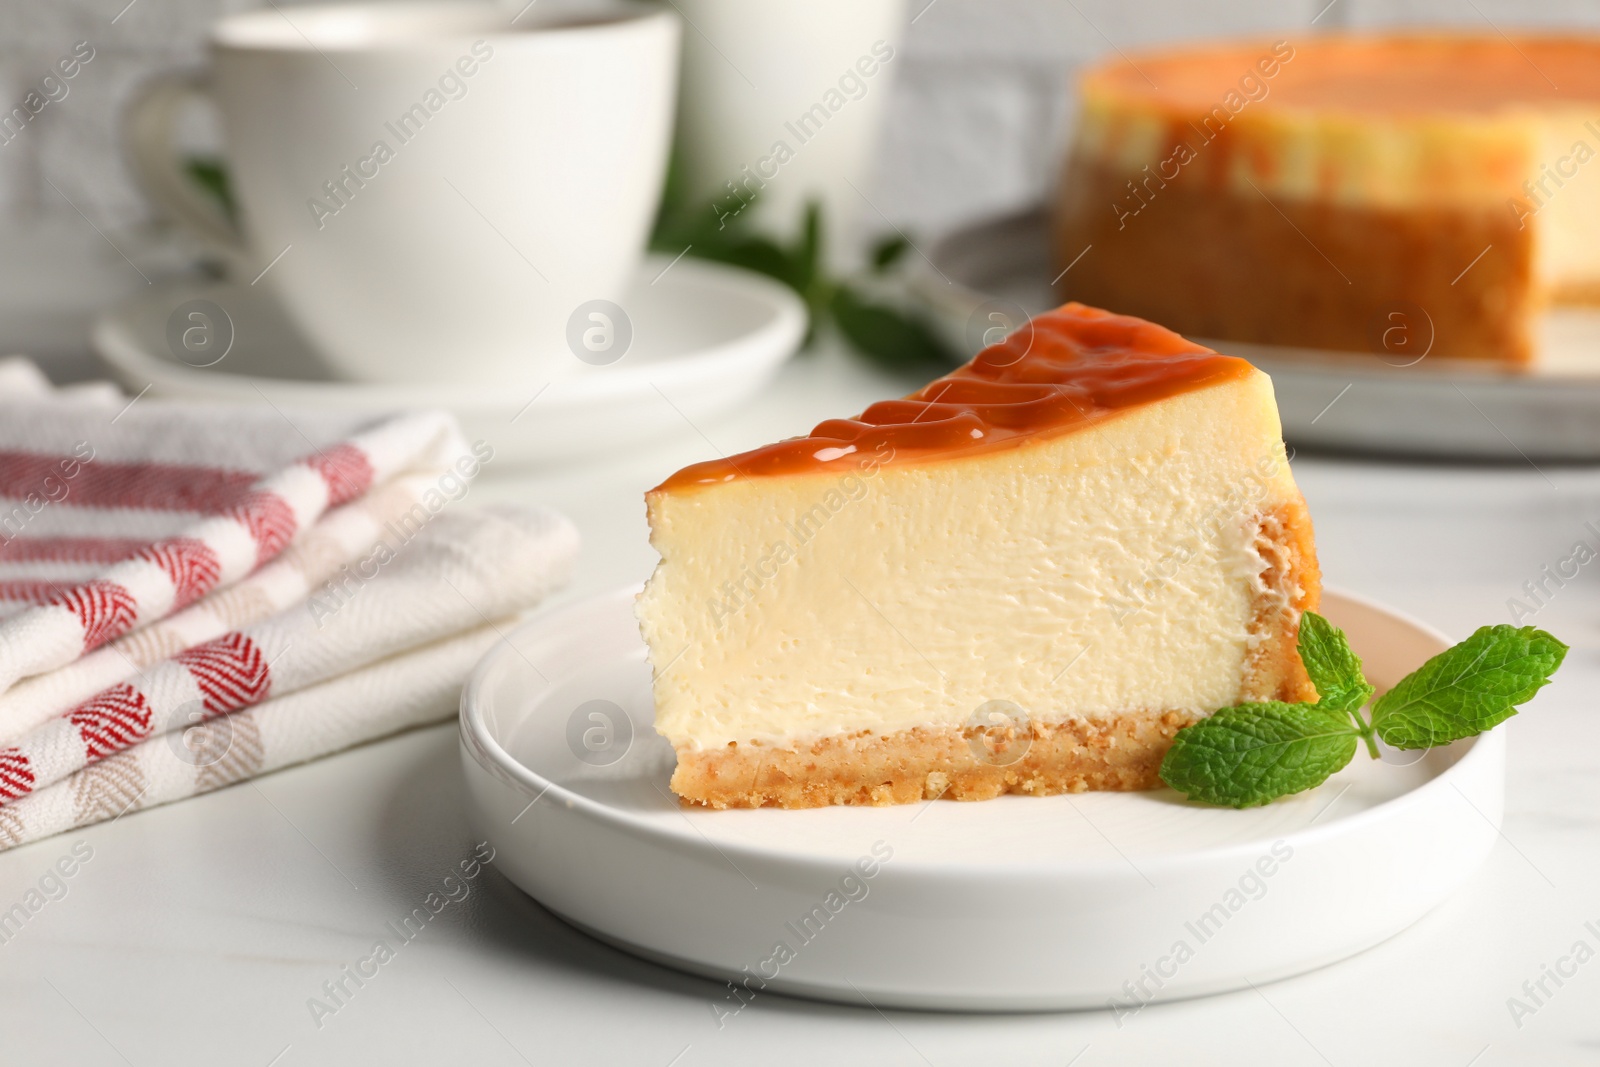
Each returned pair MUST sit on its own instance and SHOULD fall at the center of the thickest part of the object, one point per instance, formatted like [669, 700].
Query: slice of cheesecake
[1024, 577]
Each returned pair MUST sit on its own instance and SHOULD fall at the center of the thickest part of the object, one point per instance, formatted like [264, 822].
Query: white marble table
[198, 933]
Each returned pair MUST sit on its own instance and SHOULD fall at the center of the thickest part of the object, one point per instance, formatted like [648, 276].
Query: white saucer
[705, 337]
[1344, 400]
[1013, 904]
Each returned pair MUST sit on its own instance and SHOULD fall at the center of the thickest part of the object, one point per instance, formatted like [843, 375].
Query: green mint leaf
[1468, 689]
[807, 254]
[1246, 755]
[760, 254]
[885, 334]
[211, 175]
[887, 252]
[1334, 667]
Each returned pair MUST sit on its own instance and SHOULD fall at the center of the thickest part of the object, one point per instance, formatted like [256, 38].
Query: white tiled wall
[976, 123]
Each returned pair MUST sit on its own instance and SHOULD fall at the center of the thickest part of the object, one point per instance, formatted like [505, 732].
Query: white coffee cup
[431, 189]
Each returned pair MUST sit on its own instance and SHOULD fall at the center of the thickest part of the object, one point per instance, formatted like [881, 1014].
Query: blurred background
[976, 121]
[1451, 495]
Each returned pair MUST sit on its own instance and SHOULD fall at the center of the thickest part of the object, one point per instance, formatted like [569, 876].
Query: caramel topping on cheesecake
[1065, 370]
[1390, 75]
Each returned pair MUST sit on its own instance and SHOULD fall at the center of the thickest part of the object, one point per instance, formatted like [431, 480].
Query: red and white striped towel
[113, 517]
[419, 687]
[454, 574]
[301, 590]
[344, 537]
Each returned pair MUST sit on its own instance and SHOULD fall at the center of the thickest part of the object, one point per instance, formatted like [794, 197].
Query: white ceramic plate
[705, 338]
[1019, 903]
[1342, 400]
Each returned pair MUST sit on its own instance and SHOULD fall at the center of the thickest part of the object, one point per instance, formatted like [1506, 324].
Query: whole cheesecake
[1403, 194]
[1024, 577]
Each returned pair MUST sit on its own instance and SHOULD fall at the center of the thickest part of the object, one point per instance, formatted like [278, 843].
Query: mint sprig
[210, 174]
[1250, 754]
[1468, 689]
[1335, 671]
[861, 308]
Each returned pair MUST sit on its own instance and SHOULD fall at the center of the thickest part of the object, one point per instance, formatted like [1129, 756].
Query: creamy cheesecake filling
[1395, 162]
[1559, 202]
[1096, 575]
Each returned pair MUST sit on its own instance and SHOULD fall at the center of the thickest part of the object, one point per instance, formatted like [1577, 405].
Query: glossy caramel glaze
[1436, 73]
[1064, 370]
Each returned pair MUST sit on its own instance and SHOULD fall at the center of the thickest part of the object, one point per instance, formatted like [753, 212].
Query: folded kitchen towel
[419, 687]
[112, 517]
[344, 537]
[193, 596]
[456, 573]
